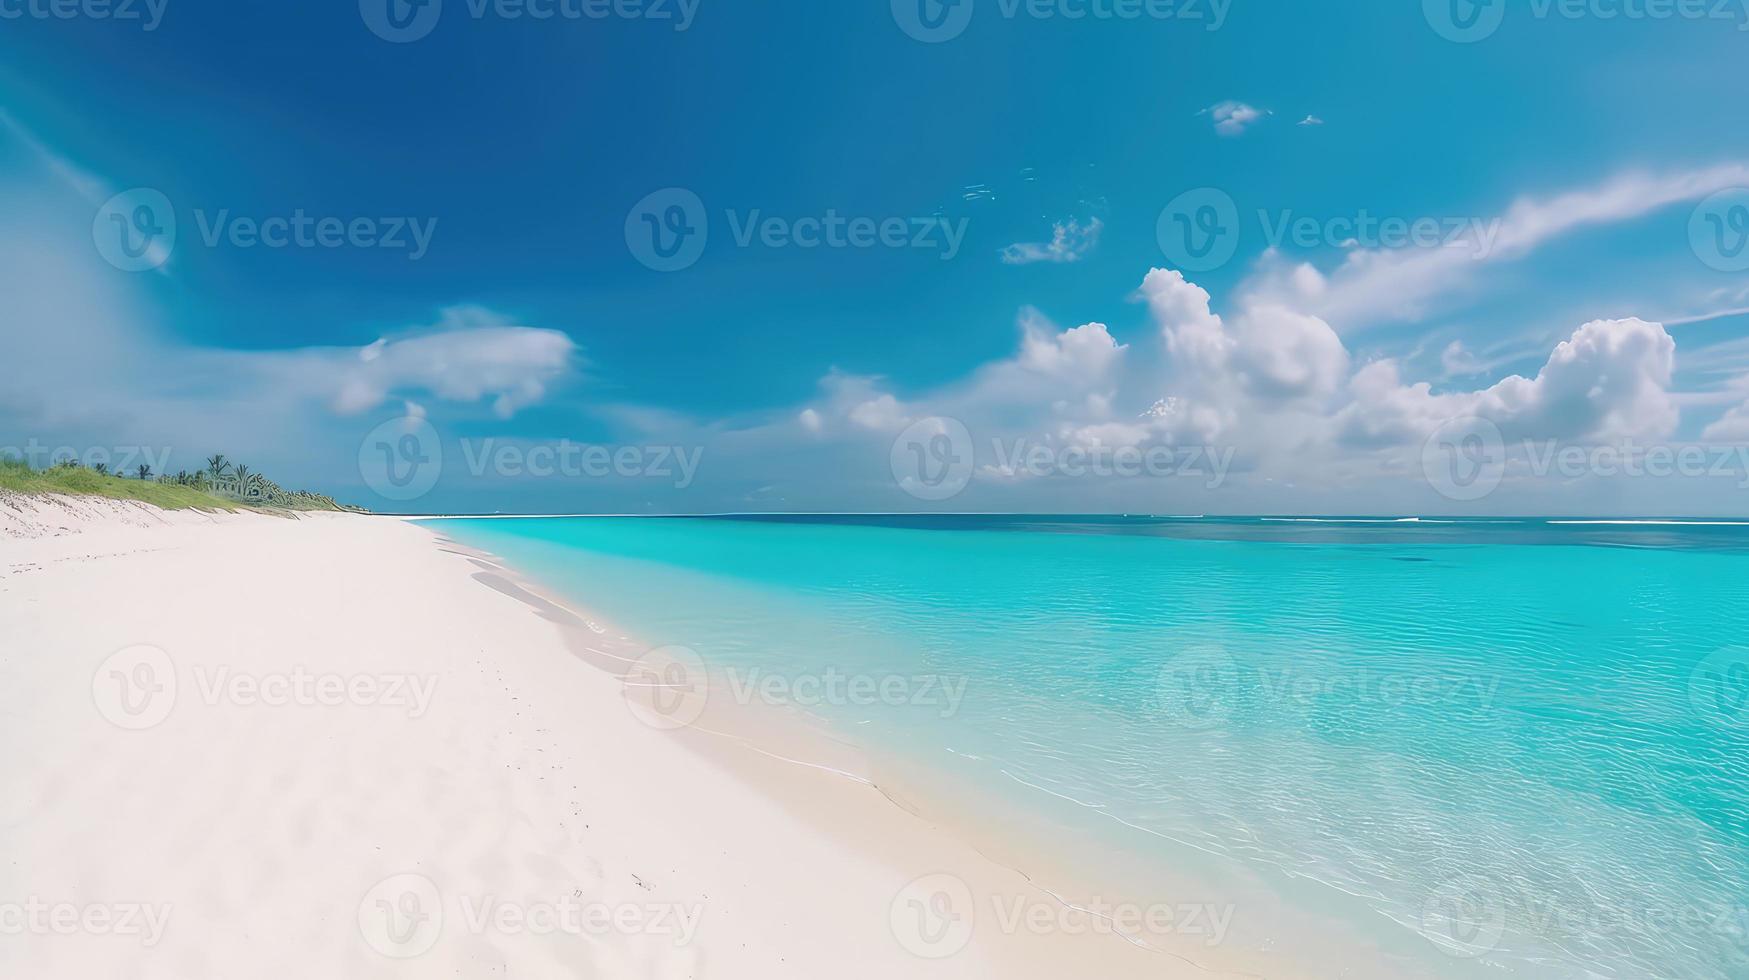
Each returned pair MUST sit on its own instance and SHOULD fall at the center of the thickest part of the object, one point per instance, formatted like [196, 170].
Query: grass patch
[17, 476]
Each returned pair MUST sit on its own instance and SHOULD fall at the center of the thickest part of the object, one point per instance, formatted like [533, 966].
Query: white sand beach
[337, 746]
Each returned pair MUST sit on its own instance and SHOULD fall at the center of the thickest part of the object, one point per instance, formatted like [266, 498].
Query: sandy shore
[339, 746]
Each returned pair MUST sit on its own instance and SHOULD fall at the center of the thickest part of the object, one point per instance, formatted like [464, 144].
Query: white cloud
[1232, 118]
[472, 354]
[1373, 285]
[1733, 426]
[1271, 353]
[1070, 240]
[1458, 362]
[882, 413]
[1609, 380]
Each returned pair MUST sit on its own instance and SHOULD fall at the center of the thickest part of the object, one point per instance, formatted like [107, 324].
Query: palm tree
[100, 468]
[240, 476]
[145, 472]
[218, 466]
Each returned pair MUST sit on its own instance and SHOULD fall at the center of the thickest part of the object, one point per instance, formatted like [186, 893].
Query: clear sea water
[1504, 748]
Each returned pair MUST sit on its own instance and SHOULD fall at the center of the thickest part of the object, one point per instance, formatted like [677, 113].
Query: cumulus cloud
[1609, 380]
[1070, 240]
[1232, 118]
[1271, 352]
[471, 355]
[1273, 386]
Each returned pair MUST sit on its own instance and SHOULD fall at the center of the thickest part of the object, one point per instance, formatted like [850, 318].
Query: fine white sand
[337, 746]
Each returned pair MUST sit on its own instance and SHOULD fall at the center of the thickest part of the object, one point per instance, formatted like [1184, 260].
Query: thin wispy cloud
[1374, 285]
[1070, 241]
[87, 185]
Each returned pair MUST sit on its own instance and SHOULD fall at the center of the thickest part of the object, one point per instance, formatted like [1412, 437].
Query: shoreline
[778, 749]
[282, 792]
[864, 802]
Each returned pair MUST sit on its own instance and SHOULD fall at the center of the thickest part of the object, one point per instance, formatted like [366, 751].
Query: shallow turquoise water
[1506, 748]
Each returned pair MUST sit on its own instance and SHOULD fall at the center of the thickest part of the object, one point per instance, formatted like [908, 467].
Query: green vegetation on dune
[234, 488]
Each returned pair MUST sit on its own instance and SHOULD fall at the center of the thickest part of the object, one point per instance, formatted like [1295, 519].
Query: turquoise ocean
[1494, 748]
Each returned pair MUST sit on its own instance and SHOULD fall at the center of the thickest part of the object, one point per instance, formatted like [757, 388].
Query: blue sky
[1572, 147]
